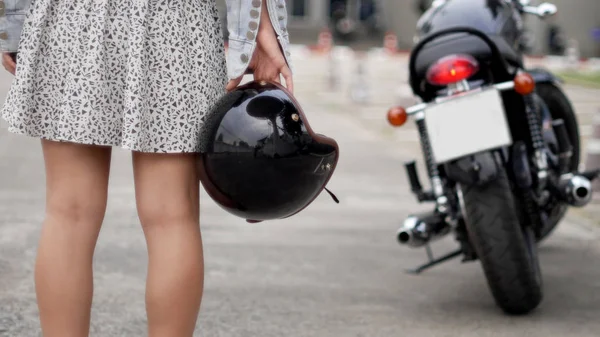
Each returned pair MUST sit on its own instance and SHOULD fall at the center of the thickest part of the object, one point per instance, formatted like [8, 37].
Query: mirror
[543, 10]
[437, 3]
[546, 9]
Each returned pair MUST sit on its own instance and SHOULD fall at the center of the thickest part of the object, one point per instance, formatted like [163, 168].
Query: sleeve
[243, 21]
[12, 19]
[240, 48]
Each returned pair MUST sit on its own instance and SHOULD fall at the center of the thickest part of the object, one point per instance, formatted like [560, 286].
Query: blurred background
[362, 24]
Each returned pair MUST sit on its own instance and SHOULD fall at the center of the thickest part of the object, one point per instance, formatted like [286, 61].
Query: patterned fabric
[243, 18]
[138, 74]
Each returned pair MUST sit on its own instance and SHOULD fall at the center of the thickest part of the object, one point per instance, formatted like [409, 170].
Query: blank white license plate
[467, 125]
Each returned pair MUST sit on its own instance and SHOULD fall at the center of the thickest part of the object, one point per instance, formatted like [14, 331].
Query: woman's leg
[167, 193]
[76, 191]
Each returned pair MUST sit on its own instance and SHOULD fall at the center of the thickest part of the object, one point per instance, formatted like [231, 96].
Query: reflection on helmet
[259, 159]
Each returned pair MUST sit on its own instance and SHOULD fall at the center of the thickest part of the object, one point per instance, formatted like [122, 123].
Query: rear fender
[477, 169]
[541, 75]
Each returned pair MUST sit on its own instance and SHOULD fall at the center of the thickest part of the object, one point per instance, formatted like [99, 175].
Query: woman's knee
[167, 189]
[166, 214]
[77, 210]
[76, 181]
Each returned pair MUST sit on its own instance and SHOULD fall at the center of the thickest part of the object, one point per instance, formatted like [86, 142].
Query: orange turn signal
[524, 84]
[397, 116]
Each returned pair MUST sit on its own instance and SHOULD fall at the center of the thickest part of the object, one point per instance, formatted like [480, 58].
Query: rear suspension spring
[432, 169]
[533, 120]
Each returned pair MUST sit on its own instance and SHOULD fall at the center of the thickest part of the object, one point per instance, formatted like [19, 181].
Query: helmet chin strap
[332, 196]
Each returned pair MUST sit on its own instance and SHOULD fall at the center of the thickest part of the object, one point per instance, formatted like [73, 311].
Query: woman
[140, 75]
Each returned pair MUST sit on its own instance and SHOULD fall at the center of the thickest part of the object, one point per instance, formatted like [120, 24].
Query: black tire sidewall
[560, 108]
[510, 265]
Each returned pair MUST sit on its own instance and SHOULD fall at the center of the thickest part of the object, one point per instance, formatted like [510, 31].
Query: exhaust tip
[577, 190]
[403, 237]
[582, 192]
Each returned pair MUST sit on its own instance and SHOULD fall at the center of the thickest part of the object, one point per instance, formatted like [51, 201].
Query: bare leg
[76, 191]
[167, 193]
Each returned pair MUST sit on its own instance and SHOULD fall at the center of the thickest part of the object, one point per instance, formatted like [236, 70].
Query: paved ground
[333, 270]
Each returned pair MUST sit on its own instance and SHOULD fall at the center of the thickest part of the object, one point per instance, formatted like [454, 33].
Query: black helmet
[259, 159]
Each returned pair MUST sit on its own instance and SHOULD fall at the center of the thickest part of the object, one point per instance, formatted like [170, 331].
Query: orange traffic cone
[390, 43]
[324, 42]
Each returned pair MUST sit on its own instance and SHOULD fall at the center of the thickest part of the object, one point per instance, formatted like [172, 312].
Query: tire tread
[494, 229]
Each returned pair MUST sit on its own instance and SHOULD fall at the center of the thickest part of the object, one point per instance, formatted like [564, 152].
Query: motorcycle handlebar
[542, 10]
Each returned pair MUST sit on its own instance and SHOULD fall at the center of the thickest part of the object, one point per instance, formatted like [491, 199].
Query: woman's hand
[268, 62]
[8, 63]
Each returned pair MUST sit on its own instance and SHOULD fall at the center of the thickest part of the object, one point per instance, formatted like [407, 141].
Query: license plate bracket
[467, 125]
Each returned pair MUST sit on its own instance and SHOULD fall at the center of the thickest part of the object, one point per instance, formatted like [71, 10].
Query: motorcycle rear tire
[507, 250]
[560, 108]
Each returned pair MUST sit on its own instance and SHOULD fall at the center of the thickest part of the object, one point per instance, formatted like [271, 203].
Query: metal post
[359, 91]
[573, 54]
[333, 71]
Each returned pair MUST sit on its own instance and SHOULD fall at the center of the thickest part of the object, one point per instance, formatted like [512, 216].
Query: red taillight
[452, 69]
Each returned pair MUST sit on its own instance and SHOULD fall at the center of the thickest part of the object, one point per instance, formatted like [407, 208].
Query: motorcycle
[500, 143]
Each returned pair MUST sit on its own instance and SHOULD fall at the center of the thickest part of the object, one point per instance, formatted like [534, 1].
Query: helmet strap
[332, 196]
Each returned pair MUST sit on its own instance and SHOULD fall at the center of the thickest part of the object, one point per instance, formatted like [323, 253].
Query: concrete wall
[577, 18]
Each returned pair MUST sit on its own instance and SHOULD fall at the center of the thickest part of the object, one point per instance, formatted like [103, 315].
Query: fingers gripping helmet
[259, 159]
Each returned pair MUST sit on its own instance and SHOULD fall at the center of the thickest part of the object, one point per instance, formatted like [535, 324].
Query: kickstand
[429, 252]
[432, 262]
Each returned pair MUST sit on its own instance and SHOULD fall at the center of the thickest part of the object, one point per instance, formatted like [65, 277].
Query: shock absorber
[537, 138]
[432, 169]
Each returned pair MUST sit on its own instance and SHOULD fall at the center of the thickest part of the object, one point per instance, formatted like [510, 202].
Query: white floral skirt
[137, 74]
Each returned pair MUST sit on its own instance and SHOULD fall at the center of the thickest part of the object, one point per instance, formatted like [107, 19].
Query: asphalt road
[333, 270]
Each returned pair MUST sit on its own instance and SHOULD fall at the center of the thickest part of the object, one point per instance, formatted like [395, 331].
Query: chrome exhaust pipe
[411, 233]
[418, 230]
[576, 190]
